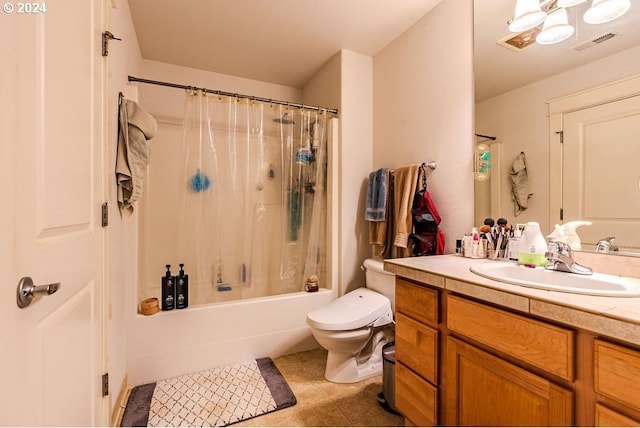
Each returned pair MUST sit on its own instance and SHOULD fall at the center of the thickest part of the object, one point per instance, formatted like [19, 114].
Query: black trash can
[387, 398]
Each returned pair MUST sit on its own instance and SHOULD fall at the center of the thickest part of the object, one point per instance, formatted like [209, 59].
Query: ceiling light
[602, 11]
[556, 28]
[528, 14]
[569, 3]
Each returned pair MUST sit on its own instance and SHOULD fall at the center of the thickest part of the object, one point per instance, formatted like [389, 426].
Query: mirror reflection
[515, 78]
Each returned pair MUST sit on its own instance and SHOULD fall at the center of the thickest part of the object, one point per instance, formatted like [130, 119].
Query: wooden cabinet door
[484, 390]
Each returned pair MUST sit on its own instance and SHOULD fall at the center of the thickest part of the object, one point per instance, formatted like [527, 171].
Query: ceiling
[278, 41]
[287, 41]
[499, 69]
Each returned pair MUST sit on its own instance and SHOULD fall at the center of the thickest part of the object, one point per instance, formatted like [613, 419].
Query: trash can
[387, 398]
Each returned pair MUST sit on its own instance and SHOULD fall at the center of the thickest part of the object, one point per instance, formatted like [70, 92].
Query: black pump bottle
[182, 289]
[168, 290]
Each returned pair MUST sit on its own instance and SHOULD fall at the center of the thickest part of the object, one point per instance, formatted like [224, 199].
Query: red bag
[427, 237]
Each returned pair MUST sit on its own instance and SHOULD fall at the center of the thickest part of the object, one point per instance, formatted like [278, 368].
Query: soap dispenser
[573, 240]
[168, 290]
[532, 246]
[182, 289]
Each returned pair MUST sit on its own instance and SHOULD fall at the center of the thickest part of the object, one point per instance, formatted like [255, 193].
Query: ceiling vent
[520, 41]
[593, 42]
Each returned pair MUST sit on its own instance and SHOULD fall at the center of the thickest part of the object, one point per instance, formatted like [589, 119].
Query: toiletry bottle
[475, 248]
[512, 245]
[182, 289]
[533, 246]
[168, 290]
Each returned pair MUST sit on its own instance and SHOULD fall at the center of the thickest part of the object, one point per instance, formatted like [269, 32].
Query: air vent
[593, 42]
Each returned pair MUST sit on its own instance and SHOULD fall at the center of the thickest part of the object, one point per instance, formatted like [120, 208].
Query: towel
[136, 127]
[377, 191]
[405, 185]
[379, 231]
[520, 184]
[294, 204]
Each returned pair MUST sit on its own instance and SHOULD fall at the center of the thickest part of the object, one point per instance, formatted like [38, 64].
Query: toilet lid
[355, 309]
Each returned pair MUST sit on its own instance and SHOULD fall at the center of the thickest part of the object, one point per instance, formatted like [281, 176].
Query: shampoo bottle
[168, 290]
[182, 289]
[532, 246]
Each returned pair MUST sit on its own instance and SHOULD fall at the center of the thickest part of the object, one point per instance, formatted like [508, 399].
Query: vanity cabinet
[417, 352]
[447, 374]
[616, 383]
[469, 353]
[484, 389]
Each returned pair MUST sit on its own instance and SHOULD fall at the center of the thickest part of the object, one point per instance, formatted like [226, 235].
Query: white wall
[423, 109]
[519, 120]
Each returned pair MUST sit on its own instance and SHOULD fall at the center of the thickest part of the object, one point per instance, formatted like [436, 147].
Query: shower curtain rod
[486, 136]
[230, 94]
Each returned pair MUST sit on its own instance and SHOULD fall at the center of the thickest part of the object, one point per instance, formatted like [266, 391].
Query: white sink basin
[597, 284]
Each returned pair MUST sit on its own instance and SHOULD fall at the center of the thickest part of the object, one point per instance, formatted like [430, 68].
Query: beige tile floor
[322, 403]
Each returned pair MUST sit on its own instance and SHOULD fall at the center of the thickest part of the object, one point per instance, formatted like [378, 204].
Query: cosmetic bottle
[513, 244]
[168, 290]
[182, 289]
[532, 246]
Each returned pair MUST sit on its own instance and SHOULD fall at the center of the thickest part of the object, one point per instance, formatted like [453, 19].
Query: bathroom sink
[598, 284]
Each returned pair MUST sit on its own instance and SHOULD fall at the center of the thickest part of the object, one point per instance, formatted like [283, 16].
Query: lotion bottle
[182, 289]
[168, 290]
[532, 246]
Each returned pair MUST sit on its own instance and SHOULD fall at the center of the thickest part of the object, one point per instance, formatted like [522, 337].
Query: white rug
[215, 397]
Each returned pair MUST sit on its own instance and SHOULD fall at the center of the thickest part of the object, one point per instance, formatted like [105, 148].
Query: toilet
[355, 327]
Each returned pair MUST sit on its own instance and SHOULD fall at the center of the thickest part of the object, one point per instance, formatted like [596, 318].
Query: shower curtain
[250, 211]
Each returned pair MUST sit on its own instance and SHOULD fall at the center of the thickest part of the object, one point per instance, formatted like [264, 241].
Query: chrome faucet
[605, 245]
[561, 257]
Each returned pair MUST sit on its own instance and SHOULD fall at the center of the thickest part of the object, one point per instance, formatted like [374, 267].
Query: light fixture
[528, 15]
[569, 3]
[602, 11]
[556, 28]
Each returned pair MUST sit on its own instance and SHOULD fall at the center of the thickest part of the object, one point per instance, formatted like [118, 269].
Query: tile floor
[322, 403]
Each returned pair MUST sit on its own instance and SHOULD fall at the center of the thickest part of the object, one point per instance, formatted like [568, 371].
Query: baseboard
[121, 402]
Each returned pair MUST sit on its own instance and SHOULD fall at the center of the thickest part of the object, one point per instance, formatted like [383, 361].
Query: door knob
[26, 290]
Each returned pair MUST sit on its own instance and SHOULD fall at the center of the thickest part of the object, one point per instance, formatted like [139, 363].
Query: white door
[601, 172]
[51, 188]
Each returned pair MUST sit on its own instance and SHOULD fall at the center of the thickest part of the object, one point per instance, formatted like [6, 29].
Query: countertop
[615, 317]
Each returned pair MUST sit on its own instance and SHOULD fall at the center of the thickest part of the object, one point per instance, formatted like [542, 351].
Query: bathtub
[201, 337]
[211, 335]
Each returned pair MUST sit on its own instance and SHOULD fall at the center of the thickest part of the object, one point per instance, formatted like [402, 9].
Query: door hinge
[561, 214]
[561, 133]
[106, 36]
[105, 384]
[105, 215]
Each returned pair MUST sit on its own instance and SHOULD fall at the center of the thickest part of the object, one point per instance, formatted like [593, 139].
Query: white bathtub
[188, 340]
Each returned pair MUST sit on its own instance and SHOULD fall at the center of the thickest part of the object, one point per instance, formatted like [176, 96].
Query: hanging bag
[427, 237]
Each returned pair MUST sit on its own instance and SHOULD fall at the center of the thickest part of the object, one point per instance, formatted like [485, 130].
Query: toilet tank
[379, 280]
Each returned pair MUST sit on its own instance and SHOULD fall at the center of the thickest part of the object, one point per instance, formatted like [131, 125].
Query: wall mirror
[515, 77]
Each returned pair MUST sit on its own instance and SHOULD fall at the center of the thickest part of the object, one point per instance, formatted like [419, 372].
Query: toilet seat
[356, 309]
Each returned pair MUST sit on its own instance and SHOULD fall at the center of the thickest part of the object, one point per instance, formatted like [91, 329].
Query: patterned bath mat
[216, 397]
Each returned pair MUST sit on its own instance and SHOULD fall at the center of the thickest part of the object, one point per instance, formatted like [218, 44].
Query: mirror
[514, 80]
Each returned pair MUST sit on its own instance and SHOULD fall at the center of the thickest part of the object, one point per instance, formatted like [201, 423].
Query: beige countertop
[616, 317]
